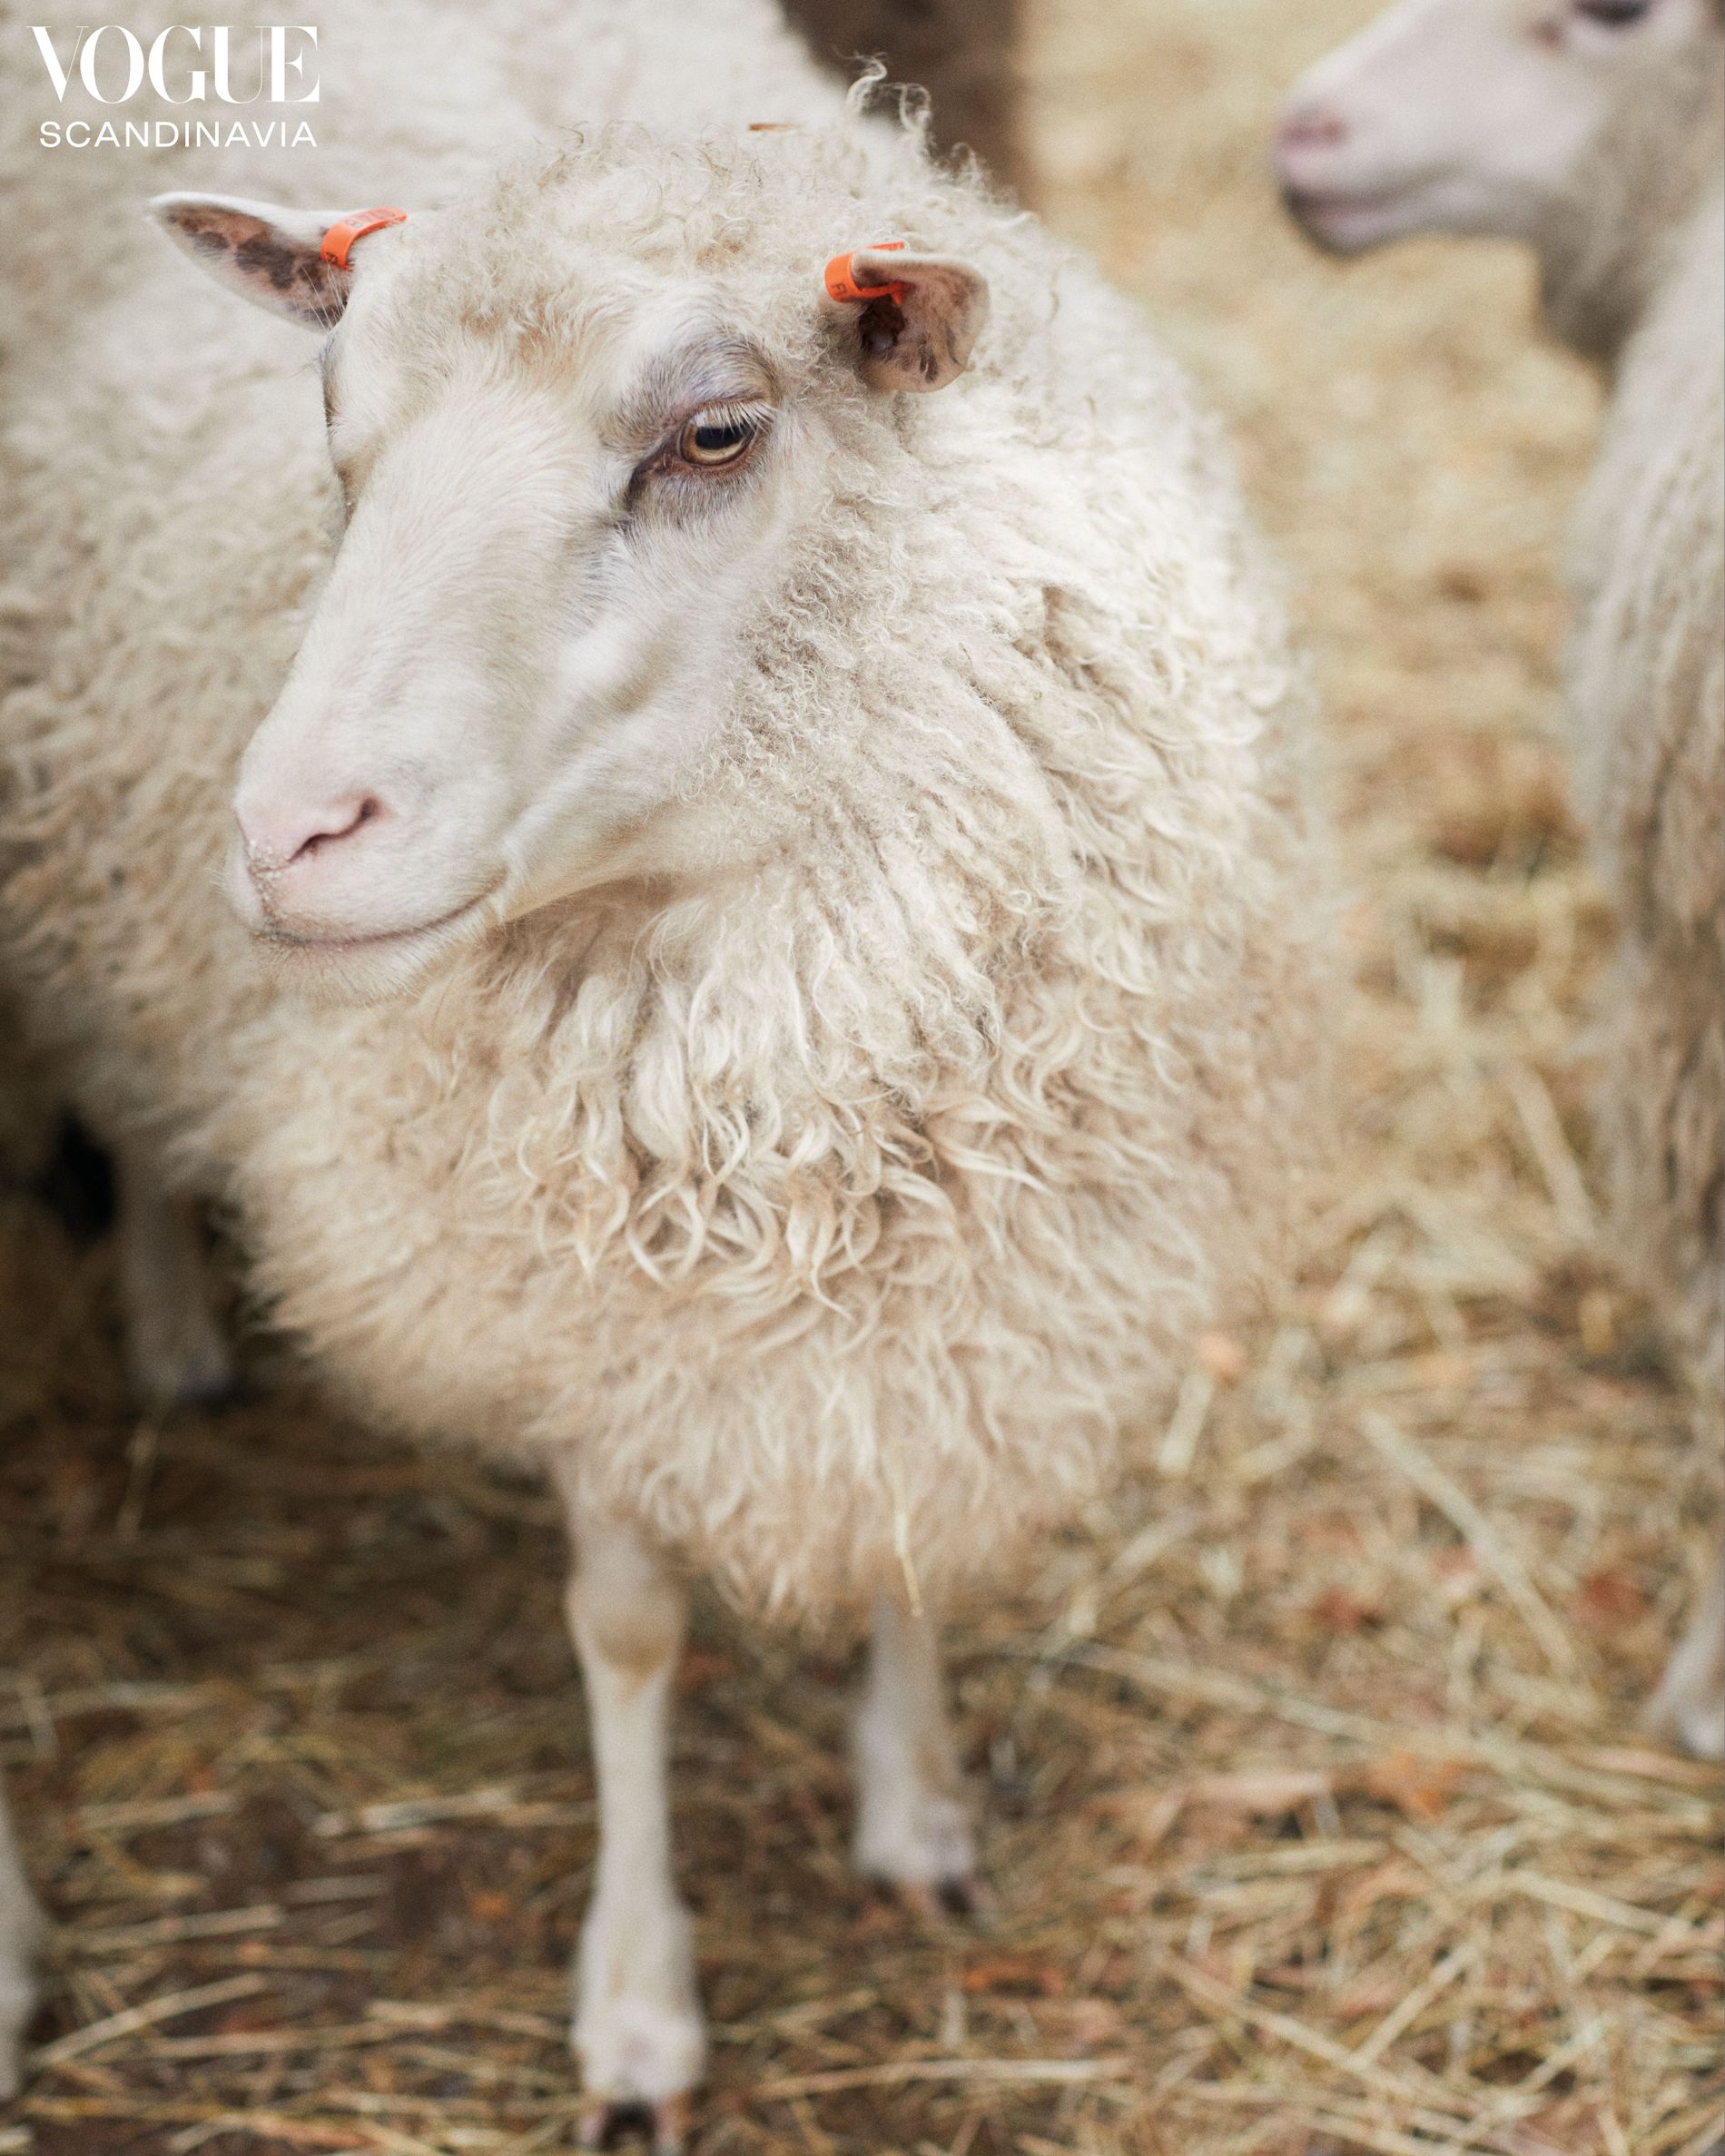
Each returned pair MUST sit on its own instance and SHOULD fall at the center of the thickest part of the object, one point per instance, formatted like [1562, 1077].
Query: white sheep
[1593, 129]
[792, 942]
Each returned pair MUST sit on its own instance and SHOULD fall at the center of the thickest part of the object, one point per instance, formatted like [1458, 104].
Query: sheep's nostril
[366, 811]
[279, 837]
[1318, 128]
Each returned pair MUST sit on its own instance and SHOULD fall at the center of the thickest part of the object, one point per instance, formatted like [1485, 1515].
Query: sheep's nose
[282, 837]
[1313, 127]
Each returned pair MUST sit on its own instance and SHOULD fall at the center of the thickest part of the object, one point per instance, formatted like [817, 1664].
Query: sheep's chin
[361, 969]
[1343, 223]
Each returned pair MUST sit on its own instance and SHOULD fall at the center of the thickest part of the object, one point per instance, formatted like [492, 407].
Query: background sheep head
[1499, 118]
[586, 431]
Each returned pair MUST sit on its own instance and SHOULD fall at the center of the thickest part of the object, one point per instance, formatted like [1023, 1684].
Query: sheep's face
[1471, 116]
[565, 519]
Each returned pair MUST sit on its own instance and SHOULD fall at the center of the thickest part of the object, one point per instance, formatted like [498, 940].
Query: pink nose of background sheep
[1306, 146]
[1313, 127]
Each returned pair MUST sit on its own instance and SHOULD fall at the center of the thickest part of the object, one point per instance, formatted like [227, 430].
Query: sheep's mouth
[364, 969]
[1344, 220]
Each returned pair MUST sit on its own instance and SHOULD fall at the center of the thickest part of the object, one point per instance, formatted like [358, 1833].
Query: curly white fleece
[831, 1225]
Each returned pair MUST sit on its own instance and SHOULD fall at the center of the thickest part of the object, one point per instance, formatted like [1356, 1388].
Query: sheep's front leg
[913, 1822]
[174, 1348]
[637, 2021]
[1690, 1704]
[21, 1930]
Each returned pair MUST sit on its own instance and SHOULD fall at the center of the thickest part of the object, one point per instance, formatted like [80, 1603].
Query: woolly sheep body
[830, 1230]
[819, 1228]
[1647, 698]
[1647, 695]
[1633, 276]
[1597, 137]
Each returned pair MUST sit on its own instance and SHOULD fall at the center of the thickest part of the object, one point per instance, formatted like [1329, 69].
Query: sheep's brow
[717, 368]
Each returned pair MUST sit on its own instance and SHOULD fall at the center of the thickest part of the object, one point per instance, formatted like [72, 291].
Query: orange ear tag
[840, 279]
[345, 231]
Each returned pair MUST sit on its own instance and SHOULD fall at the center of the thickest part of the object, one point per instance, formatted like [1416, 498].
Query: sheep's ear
[267, 254]
[920, 337]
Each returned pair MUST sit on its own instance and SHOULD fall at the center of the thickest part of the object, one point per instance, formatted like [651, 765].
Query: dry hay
[1316, 1813]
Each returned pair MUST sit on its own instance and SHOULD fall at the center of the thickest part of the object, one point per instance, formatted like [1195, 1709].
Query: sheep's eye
[718, 435]
[1616, 14]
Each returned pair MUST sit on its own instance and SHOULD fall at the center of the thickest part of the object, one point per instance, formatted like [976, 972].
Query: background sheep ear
[265, 253]
[924, 340]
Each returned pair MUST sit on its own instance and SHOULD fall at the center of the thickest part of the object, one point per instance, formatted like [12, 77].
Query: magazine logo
[207, 64]
[111, 54]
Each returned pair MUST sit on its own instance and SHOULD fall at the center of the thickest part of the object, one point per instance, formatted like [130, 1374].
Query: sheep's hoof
[192, 1368]
[606, 2124]
[915, 1839]
[963, 1895]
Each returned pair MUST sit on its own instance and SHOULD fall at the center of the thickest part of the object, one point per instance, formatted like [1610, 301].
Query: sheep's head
[581, 432]
[1478, 116]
